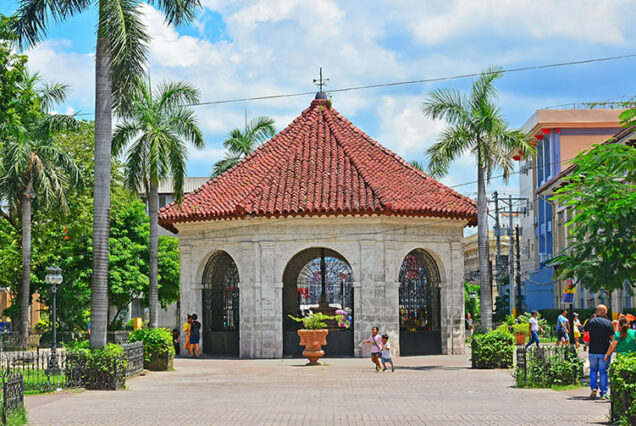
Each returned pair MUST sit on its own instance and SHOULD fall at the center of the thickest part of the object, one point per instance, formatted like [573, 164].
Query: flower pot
[313, 340]
[521, 338]
[159, 362]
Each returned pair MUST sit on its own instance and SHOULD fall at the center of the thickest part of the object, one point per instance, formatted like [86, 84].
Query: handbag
[586, 337]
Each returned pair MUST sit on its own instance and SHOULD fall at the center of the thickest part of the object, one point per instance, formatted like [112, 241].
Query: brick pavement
[423, 390]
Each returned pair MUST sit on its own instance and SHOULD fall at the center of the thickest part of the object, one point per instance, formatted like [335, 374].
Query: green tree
[470, 306]
[241, 143]
[35, 165]
[628, 117]
[120, 57]
[478, 127]
[601, 251]
[157, 129]
[418, 165]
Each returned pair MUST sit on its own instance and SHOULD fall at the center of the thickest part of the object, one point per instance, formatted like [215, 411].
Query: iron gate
[420, 331]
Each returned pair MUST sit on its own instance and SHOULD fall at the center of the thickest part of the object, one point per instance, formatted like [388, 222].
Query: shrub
[521, 329]
[622, 374]
[548, 366]
[97, 368]
[315, 321]
[492, 350]
[157, 342]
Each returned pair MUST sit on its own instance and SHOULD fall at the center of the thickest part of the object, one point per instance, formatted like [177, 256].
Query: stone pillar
[358, 335]
[249, 296]
[455, 302]
[392, 314]
[271, 341]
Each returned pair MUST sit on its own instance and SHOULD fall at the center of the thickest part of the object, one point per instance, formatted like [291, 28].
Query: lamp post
[54, 278]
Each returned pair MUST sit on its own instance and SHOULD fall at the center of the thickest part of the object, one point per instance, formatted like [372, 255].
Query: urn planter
[313, 340]
[520, 338]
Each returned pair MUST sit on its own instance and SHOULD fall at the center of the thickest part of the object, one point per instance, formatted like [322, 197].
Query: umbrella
[341, 312]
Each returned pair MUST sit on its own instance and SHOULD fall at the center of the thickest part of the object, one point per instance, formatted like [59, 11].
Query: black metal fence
[547, 366]
[134, 353]
[12, 395]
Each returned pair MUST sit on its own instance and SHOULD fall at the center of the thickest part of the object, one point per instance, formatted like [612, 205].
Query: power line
[408, 82]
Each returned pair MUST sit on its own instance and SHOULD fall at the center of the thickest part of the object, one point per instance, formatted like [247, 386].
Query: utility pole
[498, 238]
[518, 262]
[511, 265]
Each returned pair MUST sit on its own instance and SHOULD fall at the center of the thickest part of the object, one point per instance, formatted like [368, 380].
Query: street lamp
[54, 278]
[472, 295]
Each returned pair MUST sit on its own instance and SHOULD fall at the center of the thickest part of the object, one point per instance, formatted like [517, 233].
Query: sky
[238, 49]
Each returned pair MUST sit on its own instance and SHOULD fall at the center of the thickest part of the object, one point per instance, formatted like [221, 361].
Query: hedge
[622, 374]
[492, 350]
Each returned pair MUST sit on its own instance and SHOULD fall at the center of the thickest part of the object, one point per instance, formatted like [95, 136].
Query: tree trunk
[153, 290]
[25, 288]
[101, 205]
[485, 295]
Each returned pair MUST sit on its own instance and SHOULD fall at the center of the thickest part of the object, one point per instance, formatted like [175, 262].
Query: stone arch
[208, 254]
[420, 304]
[220, 305]
[302, 291]
[434, 255]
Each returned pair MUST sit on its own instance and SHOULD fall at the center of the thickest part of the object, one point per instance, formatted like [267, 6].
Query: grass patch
[567, 387]
[17, 417]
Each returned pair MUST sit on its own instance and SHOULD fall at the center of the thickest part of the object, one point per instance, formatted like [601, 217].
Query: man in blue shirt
[563, 328]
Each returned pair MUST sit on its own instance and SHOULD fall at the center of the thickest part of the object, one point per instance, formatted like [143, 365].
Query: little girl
[386, 353]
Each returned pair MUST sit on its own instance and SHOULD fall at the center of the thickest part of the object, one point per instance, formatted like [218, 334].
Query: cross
[321, 82]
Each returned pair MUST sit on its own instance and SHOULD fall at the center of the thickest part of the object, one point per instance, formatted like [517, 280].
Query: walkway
[423, 390]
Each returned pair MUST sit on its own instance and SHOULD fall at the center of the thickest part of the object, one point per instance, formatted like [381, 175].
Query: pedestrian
[176, 341]
[576, 328]
[376, 347]
[186, 329]
[601, 332]
[586, 335]
[534, 329]
[386, 353]
[563, 328]
[470, 327]
[624, 340]
[195, 335]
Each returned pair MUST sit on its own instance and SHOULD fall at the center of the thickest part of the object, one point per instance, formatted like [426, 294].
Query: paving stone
[435, 390]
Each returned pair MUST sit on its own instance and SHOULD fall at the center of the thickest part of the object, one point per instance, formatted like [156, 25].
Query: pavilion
[323, 215]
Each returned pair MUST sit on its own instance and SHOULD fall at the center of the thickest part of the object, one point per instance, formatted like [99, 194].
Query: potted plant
[521, 331]
[313, 335]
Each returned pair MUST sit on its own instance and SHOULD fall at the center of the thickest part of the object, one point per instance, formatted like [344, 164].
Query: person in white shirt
[534, 329]
[386, 353]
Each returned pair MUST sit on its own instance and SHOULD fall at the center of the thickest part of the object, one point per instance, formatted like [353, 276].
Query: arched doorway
[220, 322]
[420, 331]
[315, 279]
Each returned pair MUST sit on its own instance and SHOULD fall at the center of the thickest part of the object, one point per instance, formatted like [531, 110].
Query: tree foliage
[601, 252]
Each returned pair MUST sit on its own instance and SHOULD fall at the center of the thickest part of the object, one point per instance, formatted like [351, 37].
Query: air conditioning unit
[525, 168]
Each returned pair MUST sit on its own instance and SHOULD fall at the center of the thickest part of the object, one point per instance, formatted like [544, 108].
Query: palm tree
[476, 126]
[418, 165]
[35, 165]
[241, 143]
[120, 57]
[158, 128]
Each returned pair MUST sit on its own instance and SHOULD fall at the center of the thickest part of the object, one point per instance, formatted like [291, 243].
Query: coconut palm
[475, 126]
[418, 165]
[35, 166]
[241, 143]
[120, 57]
[156, 130]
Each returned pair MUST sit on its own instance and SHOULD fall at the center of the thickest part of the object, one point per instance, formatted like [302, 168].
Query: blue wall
[540, 296]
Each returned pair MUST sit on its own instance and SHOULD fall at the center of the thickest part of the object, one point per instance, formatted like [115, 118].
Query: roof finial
[321, 82]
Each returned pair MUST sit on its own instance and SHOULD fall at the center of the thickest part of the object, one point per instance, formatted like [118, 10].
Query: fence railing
[134, 353]
[12, 395]
[547, 365]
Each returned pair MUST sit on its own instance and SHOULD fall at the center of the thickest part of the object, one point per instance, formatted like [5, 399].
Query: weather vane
[321, 82]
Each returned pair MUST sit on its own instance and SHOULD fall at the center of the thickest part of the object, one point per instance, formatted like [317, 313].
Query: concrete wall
[374, 247]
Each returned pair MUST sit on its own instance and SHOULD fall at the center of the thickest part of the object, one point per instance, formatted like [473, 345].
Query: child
[386, 353]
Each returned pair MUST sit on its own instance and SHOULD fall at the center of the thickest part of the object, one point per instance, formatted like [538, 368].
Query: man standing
[534, 329]
[563, 328]
[470, 327]
[601, 332]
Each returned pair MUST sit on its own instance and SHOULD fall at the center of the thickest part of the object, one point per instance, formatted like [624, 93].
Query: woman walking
[624, 340]
[376, 347]
[577, 329]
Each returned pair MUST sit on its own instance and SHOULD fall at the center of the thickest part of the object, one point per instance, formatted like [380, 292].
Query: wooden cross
[321, 82]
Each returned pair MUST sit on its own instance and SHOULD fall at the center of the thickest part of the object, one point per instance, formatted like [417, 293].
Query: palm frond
[483, 89]
[122, 28]
[452, 143]
[124, 133]
[176, 94]
[259, 130]
[226, 163]
[184, 123]
[53, 93]
[447, 104]
[178, 11]
[33, 17]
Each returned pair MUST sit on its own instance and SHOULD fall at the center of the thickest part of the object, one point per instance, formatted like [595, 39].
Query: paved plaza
[423, 390]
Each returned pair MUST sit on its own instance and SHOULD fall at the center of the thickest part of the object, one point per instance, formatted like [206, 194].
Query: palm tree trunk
[153, 295]
[101, 203]
[25, 288]
[485, 295]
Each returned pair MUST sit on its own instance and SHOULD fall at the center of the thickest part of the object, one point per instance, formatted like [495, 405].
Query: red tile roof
[321, 164]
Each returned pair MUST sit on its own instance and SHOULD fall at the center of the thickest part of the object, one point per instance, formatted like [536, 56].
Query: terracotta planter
[313, 340]
[521, 338]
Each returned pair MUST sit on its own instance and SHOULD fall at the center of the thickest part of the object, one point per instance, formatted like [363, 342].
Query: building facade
[471, 259]
[322, 218]
[560, 135]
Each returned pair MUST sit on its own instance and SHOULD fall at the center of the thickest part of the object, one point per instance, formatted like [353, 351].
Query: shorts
[385, 360]
[194, 341]
[561, 334]
[374, 354]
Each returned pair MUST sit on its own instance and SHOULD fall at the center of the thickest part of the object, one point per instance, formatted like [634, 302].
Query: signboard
[568, 292]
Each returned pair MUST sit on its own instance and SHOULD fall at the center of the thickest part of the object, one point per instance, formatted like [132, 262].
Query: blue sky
[251, 48]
